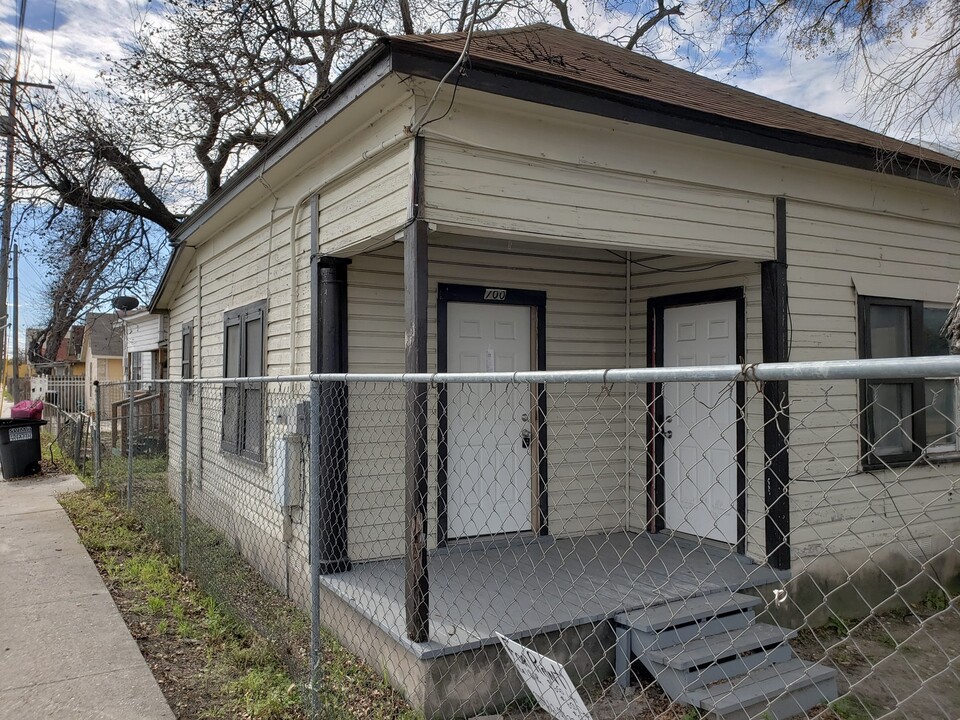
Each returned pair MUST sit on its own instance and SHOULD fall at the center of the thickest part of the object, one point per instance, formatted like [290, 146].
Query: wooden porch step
[685, 612]
[705, 651]
[783, 690]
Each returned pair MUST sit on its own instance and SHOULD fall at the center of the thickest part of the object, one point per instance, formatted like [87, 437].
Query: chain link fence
[767, 541]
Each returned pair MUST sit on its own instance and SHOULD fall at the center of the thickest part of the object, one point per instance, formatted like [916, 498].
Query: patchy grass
[198, 632]
[851, 707]
[189, 641]
[885, 658]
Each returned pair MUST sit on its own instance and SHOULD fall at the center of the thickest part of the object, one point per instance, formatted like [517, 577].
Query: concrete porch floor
[526, 588]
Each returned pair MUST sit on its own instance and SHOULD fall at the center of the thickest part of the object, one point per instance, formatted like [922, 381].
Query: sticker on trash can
[21, 433]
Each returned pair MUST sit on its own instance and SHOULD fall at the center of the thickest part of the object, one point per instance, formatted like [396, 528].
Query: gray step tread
[759, 686]
[681, 612]
[705, 650]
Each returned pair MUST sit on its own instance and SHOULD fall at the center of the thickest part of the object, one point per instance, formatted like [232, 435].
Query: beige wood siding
[367, 204]
[585, 329]
[487, 191]
[146, 334]
[249, 262]
[836, 507]
[676, 275]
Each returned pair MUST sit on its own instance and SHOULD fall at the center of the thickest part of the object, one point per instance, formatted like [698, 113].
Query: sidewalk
[65, 651]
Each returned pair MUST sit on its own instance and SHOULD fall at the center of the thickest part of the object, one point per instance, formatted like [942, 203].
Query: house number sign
[497, 294]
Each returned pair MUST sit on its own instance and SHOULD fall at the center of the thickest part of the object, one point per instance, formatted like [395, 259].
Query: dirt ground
[178, 664]
[906, 662]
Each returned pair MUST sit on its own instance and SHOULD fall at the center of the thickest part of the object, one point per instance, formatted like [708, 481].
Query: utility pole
[16, 324]
[10, 128]
[9, 125]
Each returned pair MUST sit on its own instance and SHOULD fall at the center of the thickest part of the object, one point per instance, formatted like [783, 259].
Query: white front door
[488, 462]
[700, 423]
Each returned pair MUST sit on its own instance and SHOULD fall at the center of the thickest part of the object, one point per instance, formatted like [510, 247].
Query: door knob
[525, 437]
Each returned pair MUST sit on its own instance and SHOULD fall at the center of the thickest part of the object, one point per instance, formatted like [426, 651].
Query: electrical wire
[692, 268]
[457, 67]
[453, 97]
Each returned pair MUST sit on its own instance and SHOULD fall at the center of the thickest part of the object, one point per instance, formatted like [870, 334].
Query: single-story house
[563, 204]
[101, 352]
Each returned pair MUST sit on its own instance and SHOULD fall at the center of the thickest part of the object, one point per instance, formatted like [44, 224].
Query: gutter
[430, 62]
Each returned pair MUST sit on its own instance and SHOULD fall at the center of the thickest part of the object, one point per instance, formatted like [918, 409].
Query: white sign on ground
[548, 682]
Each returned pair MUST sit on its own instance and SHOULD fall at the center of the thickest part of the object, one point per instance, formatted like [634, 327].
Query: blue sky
[73, 36]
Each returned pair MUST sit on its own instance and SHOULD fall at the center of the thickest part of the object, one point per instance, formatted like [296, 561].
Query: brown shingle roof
[569, 56]
[104, 334]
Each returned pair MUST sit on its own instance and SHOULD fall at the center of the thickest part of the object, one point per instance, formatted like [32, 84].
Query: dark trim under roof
[431, 56]
[615, 94]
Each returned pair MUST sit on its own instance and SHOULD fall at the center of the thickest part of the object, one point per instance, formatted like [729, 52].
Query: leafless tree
[905, 54]
[200, 88]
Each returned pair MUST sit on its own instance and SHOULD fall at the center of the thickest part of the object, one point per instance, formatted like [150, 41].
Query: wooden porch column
[776, 398]
[416, 580]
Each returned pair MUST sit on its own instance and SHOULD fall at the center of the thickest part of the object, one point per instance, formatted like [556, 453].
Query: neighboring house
[66, 361]
[144, 345]
[589, 198]
[102, 352]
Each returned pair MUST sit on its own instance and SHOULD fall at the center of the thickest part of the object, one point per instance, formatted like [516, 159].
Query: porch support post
[776, 398]
[334, 409]
[416, 581]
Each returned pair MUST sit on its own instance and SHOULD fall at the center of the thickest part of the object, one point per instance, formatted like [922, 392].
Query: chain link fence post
[130, 449]
[184, 394]
[97, 409]
[314, 542]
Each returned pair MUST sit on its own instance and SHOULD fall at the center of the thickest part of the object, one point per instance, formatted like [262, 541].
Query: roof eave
[530, 85]
[369, 69]
[303, 125]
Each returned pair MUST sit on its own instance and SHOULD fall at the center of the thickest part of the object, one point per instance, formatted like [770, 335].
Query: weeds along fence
[72, 432]
[763, 541]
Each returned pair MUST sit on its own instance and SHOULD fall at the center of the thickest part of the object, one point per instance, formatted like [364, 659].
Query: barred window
[243, 356]
[904, 419]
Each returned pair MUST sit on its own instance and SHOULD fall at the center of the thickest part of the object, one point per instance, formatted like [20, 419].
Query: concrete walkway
[65, 651]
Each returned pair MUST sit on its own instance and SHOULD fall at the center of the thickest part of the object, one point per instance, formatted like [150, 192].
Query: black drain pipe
[329, 355]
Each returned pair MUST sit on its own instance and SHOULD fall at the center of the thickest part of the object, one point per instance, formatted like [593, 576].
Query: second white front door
[700, 455]
[488, 425]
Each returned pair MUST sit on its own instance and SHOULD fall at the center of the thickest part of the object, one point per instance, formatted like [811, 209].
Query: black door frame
[537, 299]
[655, 445]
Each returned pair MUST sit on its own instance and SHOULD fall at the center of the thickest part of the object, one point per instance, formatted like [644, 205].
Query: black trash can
[20, 447]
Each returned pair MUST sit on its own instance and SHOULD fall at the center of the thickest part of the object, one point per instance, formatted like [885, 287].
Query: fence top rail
[944, 366]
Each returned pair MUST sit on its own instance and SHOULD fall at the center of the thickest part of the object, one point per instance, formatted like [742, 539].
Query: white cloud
[86, 32]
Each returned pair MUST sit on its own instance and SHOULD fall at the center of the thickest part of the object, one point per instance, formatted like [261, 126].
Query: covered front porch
[527, 587]
[568, 464]
[562, 597]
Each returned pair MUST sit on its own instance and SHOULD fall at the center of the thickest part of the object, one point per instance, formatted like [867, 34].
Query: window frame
[237, 445]
[918, 436]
